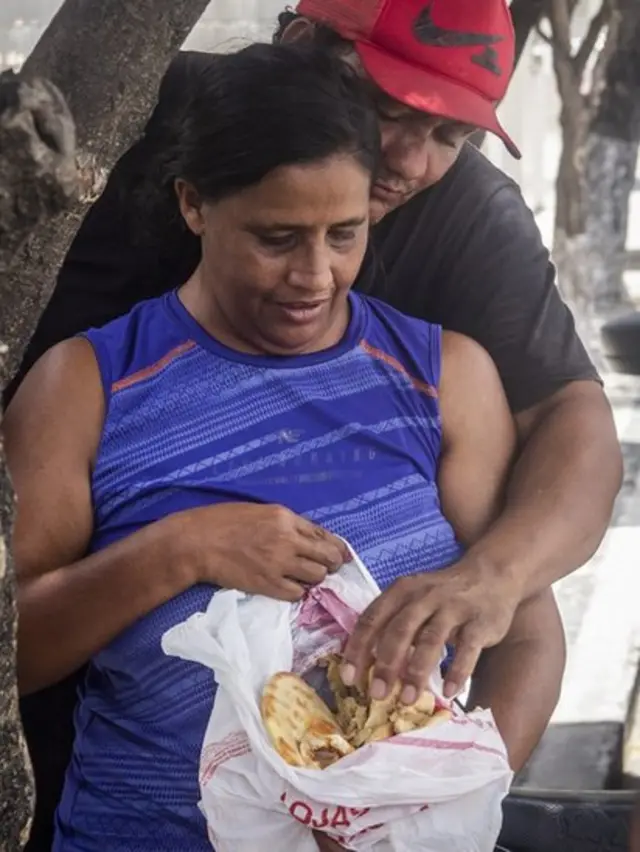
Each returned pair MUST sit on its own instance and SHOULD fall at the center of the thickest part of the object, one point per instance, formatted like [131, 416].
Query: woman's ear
[298, 30]
[190, 205]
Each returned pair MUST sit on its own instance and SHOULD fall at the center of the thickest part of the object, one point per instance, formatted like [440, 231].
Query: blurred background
[574, 109]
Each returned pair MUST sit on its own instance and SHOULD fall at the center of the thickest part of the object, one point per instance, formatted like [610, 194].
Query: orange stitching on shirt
[146, 372]
[418, 384]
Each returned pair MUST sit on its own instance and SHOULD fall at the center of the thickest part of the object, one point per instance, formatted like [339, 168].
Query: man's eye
[383, 115]
[448, 137]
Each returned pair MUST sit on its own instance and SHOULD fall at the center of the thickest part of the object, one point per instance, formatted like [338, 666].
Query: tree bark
[37, 179]
[107, 57]
[600, 133]
[611, 160]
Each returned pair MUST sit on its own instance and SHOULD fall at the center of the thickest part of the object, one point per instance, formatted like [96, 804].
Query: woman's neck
[199, 301]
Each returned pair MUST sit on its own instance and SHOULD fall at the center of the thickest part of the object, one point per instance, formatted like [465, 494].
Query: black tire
[621, 344]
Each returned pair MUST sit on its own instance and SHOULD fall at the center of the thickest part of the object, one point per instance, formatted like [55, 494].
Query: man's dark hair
[321, 35]
[253, 111]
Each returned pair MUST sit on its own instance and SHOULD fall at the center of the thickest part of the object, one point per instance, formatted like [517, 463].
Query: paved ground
[600, 605]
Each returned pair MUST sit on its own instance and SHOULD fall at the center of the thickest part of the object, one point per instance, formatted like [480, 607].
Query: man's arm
[519, 679]
[501, 290]
[561, 493]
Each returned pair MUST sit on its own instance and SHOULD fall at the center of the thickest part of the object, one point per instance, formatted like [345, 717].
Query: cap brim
[430, 92]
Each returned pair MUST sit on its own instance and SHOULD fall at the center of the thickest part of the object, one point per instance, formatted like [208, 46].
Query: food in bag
[306, 732]
[302, 729]
[433, 789]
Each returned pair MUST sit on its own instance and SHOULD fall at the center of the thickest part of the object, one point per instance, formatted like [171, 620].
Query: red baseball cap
[451, 58]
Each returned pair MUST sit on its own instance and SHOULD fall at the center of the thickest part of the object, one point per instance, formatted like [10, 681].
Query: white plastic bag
[435, 790]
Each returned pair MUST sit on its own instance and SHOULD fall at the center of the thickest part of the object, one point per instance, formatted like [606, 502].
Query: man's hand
[464, 605]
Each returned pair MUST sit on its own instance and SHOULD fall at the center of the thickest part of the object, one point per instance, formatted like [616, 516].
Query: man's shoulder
[445, 239]
[471, 186]
[483, 175]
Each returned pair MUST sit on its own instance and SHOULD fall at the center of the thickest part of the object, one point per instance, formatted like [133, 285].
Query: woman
[227, 434]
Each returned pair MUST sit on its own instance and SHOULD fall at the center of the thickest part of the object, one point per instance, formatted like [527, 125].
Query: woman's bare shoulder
[60, 400]
[465, 361]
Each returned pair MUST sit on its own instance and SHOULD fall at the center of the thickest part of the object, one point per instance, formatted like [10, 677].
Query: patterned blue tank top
[349, 437]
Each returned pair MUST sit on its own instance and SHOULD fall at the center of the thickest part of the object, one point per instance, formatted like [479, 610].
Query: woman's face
[279, 258]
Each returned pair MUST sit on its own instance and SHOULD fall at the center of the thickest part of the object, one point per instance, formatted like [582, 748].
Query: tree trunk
[106, 57]
[596, 176]
[612, 156]
[37, 179]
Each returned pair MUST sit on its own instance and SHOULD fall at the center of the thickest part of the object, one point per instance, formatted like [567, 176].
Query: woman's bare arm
[478, 438]
[71, 606]
[519, 678]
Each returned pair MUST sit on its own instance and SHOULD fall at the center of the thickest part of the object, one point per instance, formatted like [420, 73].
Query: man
[454, 243]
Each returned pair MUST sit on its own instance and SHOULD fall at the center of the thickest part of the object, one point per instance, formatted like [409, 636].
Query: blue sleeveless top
[349, 437]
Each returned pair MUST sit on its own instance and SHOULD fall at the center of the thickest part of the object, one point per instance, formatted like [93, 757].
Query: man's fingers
[428, 648]
[390, 625]
[396, 658]
[469, 646]
[358, 650]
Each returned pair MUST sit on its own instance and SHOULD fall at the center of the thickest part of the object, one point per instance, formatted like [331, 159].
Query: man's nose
[406, 152]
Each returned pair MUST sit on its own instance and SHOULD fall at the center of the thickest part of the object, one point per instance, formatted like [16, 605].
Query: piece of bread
[302, 728]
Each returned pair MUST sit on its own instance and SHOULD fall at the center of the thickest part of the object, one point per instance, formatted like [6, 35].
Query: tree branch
[598, 81]
[596, 25]
[544, 36]
[525, 15]
[37, 166]
[107, 57]
[560, 20]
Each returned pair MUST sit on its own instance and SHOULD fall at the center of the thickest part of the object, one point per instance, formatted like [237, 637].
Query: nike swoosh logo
[430, 34]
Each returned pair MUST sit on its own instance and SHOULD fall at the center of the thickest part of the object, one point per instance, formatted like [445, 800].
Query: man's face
[417, 151]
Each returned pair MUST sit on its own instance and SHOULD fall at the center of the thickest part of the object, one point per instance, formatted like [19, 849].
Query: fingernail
[348, 673]
[409, 695]
[378, 689]
[450, 689]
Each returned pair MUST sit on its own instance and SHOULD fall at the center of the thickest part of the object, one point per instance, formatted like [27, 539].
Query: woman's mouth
[301, 312]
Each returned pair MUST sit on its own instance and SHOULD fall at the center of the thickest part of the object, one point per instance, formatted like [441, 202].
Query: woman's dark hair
[269, 106]
[248, 113]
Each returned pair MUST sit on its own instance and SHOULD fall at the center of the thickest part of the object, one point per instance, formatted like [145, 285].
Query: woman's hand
[260, 549]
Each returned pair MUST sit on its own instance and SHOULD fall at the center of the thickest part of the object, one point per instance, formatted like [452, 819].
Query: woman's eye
[341, 237]
[277, 240]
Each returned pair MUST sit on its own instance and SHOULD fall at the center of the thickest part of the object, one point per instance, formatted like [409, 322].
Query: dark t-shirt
[465, 253]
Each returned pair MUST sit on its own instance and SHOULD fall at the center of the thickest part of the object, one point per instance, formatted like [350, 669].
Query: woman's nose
[312, 274]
